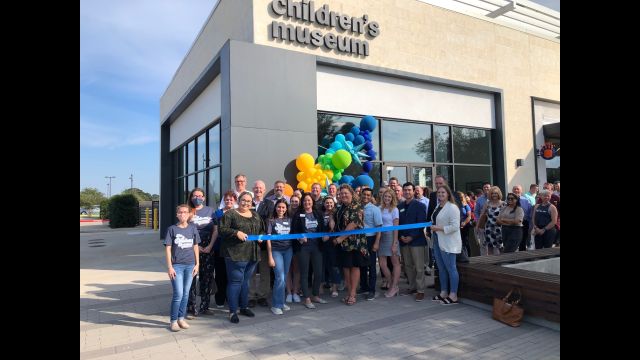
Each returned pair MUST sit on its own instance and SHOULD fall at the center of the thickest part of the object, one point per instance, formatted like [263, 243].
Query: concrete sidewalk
[124, 312]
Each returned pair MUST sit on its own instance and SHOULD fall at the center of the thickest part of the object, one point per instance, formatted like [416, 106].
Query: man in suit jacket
[412, 241]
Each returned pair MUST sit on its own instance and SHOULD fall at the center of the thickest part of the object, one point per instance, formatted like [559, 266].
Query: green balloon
[341, 159]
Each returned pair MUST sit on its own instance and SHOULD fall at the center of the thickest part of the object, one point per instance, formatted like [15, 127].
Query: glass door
[399, 171]
[422, 176]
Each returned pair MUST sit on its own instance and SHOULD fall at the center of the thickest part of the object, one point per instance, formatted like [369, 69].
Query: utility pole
[109, 177]
[131, 178]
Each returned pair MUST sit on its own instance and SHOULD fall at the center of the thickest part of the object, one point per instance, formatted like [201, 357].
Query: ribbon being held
[340, 233]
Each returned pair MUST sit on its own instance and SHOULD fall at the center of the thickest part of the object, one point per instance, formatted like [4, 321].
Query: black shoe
[326, 286]
[432, 286]
[233, 317]
[247, 312]
[252, 303]
[371, 296]
[207, 312]
[263, 302]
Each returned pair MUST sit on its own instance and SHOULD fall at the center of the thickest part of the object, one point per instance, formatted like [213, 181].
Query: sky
[129, 51]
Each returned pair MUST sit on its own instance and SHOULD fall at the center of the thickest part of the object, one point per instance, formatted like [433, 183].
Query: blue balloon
[358, 140]
[339, 138]
[355, 130]
[368, 123]
[349, 137]
[372, 154]
[368, 145]
[346, 179]
[335, 146]
[367, 137]
[367, 166]
[364, 180]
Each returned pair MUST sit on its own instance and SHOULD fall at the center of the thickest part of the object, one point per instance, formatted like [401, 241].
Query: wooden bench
[484, 277]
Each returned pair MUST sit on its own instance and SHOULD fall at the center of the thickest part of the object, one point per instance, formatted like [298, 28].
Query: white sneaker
[288, 298]
[286, 307]
[296, 298]
[341, 287]
[276, 311]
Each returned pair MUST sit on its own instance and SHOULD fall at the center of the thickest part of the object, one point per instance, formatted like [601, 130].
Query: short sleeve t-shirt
[311, 224]
[181, 242]
[280, 227]
[203, 219]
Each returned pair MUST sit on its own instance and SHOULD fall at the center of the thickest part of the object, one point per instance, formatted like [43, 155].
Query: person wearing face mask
[202, 217]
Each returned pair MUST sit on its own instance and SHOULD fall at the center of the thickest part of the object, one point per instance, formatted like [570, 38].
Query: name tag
[401, 210]
[285, 223]
[302, 215]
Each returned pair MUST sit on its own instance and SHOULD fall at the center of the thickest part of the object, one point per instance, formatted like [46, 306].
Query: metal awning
[551, 130]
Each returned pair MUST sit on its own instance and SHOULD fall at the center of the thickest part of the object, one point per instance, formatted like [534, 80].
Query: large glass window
[214, 145]
[198, 165]
[442, 143]
[201, 154]
[213, 188]
[471, 146]
[403, 141]
[447, 172]
[470, 178]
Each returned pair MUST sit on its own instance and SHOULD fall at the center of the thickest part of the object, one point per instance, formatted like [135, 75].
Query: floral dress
[352, 214]
[493, 231]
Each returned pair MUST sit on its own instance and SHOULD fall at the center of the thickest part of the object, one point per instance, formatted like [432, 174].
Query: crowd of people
[211, 245]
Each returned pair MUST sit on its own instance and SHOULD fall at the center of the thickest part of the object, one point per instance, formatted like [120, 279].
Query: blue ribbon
[340, 233]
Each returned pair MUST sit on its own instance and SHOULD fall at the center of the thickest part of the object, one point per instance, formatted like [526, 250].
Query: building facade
[471, 94]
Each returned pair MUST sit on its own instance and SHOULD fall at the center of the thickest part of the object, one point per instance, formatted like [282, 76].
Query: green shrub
[104, 209]
[123, 211]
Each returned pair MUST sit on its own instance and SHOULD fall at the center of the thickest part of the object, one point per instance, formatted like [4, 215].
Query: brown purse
[508, 312]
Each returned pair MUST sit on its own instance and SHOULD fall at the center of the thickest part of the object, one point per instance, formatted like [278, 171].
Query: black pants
[525, 236]
[310, 256]
[205, 284]
[511, 238]
[546, 239]
[220, 269]
[464, 233]
[368, 276]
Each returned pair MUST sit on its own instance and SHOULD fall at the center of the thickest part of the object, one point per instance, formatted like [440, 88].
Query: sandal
[345, 299]
[351, 300]
[448, 301]
[437, 298]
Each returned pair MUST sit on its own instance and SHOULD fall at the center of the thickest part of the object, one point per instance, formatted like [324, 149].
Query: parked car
[83, 211]
[94, 210]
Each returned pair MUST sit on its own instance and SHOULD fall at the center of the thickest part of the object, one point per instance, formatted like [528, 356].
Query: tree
[90, 197]
[155, 197]
[139, 194]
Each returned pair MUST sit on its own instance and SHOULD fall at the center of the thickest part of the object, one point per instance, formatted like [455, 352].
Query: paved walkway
[124, 303]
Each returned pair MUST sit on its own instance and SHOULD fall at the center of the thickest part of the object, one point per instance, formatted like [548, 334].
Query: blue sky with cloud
[129, 51]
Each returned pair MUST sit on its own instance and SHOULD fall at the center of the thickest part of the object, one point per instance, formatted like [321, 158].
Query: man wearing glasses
[240, 181]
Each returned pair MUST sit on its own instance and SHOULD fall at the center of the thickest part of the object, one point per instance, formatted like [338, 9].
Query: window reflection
[470, 178]
[404, 141]
[472, 146]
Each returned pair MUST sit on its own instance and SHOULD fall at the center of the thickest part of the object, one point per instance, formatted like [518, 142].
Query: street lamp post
[131, 178]
[109, 177]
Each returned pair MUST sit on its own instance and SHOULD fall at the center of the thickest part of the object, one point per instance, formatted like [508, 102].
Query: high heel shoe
[392, 292]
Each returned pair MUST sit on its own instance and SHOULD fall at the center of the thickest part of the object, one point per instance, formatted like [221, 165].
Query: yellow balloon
[304, 161]
[300, 176]
[302, 185]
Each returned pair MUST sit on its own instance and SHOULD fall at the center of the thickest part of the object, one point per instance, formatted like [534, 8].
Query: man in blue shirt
[413, 241]
[372, 219]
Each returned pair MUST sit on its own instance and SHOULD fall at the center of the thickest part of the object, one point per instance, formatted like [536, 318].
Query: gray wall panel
[273, 110]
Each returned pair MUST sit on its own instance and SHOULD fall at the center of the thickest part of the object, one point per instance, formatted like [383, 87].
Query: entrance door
[418, 174]
[396, 170]
[422, 176]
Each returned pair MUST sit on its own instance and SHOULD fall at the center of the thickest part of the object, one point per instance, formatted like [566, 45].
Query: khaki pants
[414, 258]
[259, 288]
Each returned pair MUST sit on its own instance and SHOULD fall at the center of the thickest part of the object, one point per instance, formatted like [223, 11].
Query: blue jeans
[238, 275]
[283, 261]
[447, 268]
[181, 285]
